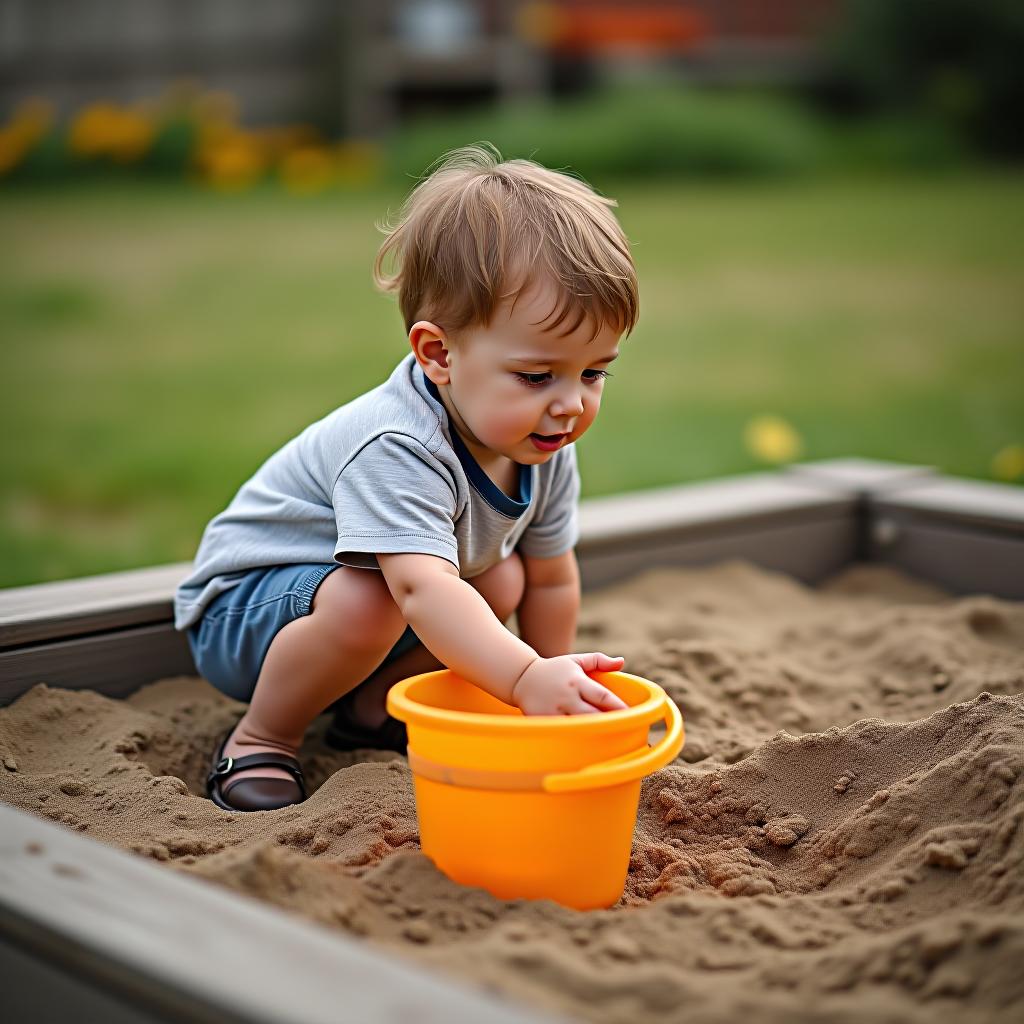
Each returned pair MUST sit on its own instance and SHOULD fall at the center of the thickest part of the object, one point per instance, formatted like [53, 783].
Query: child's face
[510, 381]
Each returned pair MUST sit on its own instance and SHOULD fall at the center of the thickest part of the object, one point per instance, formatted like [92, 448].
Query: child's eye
[533, 380]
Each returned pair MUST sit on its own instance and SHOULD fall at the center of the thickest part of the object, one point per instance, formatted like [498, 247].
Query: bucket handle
[627, 767]
[624, 768]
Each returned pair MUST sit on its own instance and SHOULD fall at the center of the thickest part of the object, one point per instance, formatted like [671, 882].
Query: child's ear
[430, 346]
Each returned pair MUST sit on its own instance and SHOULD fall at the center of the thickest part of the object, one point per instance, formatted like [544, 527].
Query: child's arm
[551, 604]
[458, 627]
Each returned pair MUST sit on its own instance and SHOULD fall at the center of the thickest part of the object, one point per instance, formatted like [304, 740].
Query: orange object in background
[542, 806]
[582, 28]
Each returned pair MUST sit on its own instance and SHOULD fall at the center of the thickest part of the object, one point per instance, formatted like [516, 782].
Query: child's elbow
[409, 575]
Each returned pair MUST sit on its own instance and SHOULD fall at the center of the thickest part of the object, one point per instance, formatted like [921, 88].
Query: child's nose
[567, 404]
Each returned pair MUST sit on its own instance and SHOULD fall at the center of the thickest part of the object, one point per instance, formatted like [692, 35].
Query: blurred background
[824, 198]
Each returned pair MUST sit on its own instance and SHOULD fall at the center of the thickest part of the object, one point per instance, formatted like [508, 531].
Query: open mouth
[548, 442]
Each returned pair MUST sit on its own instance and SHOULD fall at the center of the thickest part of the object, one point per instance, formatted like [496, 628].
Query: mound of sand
[841, 837]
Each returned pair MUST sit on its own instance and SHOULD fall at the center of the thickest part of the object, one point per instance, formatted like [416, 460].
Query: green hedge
[633, 132]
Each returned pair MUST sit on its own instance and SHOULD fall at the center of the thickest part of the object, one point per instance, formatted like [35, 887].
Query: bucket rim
[402, 707]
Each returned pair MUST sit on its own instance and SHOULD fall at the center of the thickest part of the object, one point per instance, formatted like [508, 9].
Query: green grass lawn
[158, 343]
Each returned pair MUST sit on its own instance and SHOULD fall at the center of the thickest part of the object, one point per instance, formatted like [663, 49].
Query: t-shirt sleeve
[394, 497]
[556, 528]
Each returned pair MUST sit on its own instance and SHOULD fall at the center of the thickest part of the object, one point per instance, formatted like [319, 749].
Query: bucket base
[572, 848]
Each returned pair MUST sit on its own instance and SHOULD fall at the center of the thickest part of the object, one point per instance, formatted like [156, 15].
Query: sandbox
[840, 838]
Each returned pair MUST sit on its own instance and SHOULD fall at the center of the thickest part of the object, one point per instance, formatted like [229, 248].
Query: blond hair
[477, 229]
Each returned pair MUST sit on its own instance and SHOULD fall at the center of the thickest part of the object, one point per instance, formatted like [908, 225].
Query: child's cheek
[588, 417]
[513, 425]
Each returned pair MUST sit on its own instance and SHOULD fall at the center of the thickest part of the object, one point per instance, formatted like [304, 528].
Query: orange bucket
[538, 806]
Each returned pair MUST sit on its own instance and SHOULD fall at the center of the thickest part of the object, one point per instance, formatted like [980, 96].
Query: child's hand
[561, 686]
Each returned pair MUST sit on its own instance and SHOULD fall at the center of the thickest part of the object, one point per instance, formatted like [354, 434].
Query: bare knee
[502, 585]
[357, 606]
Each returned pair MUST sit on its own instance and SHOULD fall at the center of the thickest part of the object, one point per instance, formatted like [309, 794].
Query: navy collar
[482, 483]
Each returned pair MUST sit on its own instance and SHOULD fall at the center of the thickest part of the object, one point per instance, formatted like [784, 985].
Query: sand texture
[840, 840]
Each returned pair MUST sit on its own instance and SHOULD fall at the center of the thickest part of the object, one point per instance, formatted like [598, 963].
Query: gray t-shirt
[382, 473]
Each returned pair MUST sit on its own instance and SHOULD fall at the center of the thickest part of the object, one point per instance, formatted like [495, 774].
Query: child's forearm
[547, 618]
[457, 626]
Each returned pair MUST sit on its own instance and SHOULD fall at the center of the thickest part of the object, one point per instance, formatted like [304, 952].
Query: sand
[841, 838]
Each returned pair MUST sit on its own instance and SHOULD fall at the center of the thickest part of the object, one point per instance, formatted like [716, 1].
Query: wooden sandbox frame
[90, 930]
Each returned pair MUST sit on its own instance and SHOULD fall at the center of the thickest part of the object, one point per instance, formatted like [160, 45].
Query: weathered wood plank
[115, 663]
[861, 477]
[810, 550]
[90, 604]
[189, 950]
[989, 506]
[962, 561]
[755, 500]
[35, 990]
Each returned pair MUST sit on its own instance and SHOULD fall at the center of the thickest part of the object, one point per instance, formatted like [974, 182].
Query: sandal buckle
[224, 766]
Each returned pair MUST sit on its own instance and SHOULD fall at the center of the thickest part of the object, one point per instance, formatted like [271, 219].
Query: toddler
[398, 533]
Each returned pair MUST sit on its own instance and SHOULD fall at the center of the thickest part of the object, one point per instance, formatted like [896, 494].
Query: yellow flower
[1008, 462]
[772, 439]
[31, 121]
[90, 129]
[12, 150]
[103, 129]
[307, 170]
[133, 135]
[233, 162]
[216, 118]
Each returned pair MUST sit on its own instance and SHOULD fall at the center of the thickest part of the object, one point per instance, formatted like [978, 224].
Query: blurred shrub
[96, 139]
[635, 132]
[172, 146]
[186, 133]
[960, 62]
[895, 143]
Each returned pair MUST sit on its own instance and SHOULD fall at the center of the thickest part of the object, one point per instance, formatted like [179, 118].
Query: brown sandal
[259, 794]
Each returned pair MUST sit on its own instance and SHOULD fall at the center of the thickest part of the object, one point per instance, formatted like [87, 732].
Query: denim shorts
[232, 638]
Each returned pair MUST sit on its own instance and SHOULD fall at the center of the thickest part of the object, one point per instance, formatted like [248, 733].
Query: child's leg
[314, 660]
[501, 587]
